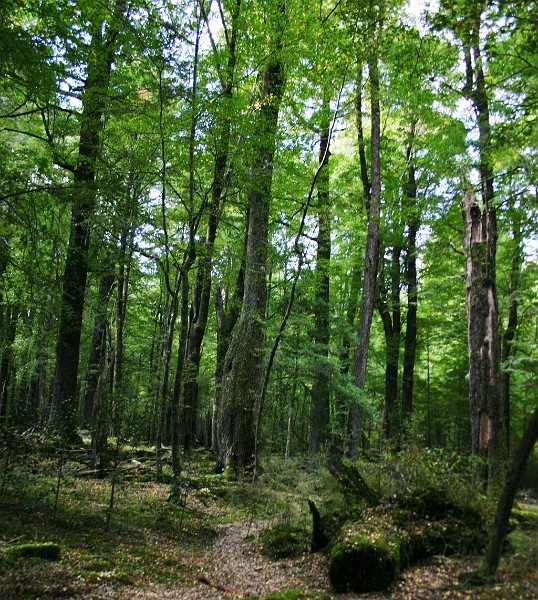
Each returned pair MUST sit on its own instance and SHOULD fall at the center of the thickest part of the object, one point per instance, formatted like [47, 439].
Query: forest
[268, 278]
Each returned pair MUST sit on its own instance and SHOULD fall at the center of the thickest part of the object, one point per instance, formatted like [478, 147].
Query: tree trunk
[390, 316]
[413, 224]
[10, 318]
[320, 395]
[508, 348]
[202, 289]
[360, 358]
[484, 385]
[504, 507]
[243, 364]
[63, 415]
[480, 241]
[97, 348]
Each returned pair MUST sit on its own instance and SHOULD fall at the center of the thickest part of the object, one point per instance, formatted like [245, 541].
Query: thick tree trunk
[504, 507]
[487, 426]
[320, 403]
[480, 242]
[243, 364]
[63, 415]
[360, 358]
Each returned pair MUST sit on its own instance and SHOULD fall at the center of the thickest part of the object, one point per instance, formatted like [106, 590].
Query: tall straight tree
[63, 414]
[360, 358]
[320, 404]
[241, 386]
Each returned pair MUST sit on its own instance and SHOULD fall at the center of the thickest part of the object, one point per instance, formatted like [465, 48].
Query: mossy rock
[284, 540]
[48, 551]
[364, 562]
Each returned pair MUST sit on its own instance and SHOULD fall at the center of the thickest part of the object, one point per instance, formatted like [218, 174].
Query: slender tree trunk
[63, 415]
[320, 395]
[202, 290]
[243, 364]
[413, 224]
[360, 358]
[226, 320]
[97, 348]
[9, 331]
[508, 347]
[390, 316]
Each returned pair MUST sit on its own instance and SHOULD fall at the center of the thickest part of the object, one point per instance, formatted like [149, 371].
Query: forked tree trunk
[360, 358]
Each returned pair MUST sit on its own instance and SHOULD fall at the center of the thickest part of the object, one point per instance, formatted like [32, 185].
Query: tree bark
[243, 363]
[484, 385]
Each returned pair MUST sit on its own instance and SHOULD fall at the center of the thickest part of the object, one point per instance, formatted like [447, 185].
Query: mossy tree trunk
[242, 376]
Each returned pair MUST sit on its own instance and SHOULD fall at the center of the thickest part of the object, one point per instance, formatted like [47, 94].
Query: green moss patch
[48, 551]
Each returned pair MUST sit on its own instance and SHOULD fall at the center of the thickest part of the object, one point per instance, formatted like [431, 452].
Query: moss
[47, 551]
[284, 540]
[364, 562]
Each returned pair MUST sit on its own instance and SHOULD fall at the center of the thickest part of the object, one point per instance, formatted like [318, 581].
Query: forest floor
[211, 547]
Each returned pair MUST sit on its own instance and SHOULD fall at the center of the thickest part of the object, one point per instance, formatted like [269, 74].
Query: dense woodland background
[239, 224]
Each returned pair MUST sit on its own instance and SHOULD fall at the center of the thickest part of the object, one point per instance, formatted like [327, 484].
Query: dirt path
[233, 567]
